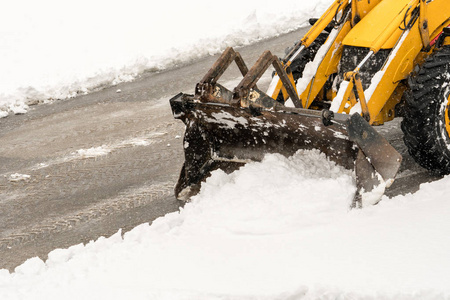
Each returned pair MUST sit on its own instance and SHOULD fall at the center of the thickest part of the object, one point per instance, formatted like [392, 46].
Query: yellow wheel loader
[361, 64]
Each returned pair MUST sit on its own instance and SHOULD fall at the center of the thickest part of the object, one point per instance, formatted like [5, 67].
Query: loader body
[348, 73]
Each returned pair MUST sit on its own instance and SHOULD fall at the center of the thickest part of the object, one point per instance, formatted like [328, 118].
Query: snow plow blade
[221, 136]
[226, 129]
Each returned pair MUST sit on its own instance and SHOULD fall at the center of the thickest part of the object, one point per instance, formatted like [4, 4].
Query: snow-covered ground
[52, 49]
[279, 229]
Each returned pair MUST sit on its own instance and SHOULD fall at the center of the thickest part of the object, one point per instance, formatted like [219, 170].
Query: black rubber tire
[425, 132]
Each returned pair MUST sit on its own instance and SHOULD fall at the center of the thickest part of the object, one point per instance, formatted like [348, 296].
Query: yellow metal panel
[404, 58]
[374, 25]
[447, 117]
[325, 19]
[361, 8]
[438, 13]
[423, 23]
[383, 17]
[447, 41]
[328, 66]
[388, 112]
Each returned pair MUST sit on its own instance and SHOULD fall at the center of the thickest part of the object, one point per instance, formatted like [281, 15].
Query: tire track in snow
[75, 184]
[129, 199]
[138, 139]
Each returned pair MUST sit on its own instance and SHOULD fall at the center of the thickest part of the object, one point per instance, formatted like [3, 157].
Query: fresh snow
[376, 79]
[311, 67]
[337, 101]
[279, 229]
[54, 49]
[18, 177]
[99, 151]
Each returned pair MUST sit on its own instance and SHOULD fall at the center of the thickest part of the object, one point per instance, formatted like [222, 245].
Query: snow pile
[58, 49]
[280, 229]
[92, 152]
[18, 177]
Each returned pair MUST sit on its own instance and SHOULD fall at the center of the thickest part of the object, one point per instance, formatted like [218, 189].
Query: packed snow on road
[277, 229]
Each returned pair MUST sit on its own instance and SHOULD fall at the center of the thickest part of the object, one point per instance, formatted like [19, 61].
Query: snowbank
[58, 49]
[280, 229]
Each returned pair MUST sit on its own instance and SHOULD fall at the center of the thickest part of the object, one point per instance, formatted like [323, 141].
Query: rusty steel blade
[383, 157]
[220, 136]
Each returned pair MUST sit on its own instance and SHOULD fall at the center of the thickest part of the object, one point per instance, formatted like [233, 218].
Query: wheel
[426, 124]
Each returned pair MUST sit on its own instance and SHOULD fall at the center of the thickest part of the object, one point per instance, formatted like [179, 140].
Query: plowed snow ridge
[279, 229]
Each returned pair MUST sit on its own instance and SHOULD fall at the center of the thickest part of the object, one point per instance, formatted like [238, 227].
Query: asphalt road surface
[72, 195]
